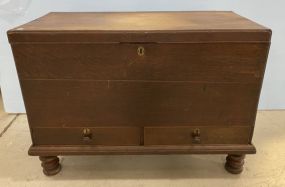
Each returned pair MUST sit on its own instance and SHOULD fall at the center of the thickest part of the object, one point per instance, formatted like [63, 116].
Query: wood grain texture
[197, 26]
[64, 103]
[209, 135]
[140, 21]
[219, 36]
[206, 62]
[99, 136]
[138, 150]
[88, 91]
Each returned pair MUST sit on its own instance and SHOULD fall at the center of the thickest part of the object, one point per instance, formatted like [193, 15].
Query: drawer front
[196, 135]
[211, 62]
[137, 103]
[87, 136]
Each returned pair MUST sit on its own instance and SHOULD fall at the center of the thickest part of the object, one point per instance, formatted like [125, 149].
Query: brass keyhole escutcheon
[141, 51]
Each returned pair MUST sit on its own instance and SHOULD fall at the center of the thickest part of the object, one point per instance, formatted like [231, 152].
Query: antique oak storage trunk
[141, 83]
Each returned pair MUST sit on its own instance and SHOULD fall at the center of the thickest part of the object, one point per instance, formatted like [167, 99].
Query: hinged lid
[208, 26]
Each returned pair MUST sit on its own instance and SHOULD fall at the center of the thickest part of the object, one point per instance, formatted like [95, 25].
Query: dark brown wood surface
[125, 150]
[99, 136]
[234, 163]
[205, 62]
[208, 134]
[222, 36]
[50, 165]
[118, 136]
[199, 70]
[63, 103]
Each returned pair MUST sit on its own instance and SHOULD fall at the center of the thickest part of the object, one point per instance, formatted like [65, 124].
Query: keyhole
[140, 51]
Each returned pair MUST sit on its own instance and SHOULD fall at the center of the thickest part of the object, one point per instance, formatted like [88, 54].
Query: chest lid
[159, 27]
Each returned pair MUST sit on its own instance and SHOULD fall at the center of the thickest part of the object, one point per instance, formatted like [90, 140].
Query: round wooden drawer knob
[86, 134]
[196, 135]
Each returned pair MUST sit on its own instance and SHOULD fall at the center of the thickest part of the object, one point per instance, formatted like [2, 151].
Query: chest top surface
[141, 21]
[199, 26]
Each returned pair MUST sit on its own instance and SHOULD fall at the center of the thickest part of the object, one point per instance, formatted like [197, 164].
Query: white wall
[265, 12]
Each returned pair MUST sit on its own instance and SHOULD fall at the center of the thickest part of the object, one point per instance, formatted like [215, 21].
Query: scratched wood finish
[239, 62]
[133, 103]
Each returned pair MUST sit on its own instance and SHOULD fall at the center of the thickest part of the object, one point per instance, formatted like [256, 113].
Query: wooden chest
[141, 83]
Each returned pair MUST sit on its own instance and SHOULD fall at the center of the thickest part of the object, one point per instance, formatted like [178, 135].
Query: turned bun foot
[50, 164]
[234, 163]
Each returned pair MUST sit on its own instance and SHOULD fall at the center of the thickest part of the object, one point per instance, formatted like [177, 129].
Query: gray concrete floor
[266, 168]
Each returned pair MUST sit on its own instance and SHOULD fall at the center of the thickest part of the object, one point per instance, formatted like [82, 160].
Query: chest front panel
[113, 85]
[160, 85]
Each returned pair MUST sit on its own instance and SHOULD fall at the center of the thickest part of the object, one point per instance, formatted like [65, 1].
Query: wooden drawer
[87, 136]
[189, 135]
[210, 62]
